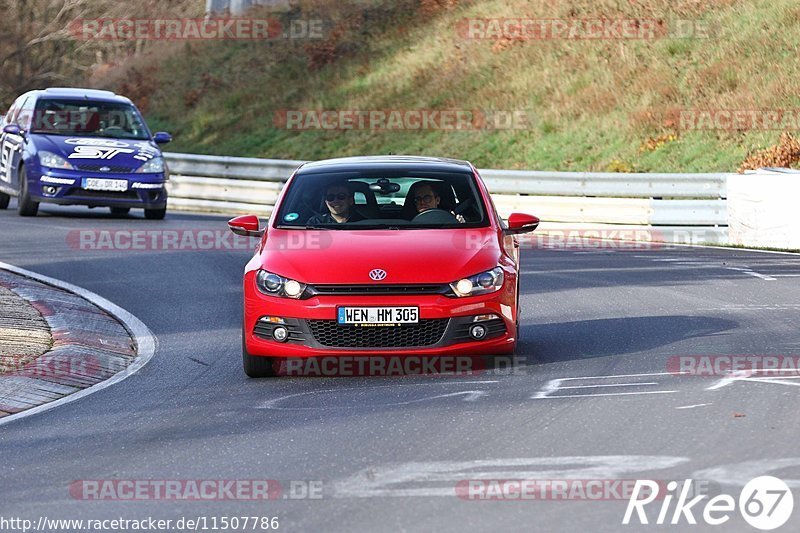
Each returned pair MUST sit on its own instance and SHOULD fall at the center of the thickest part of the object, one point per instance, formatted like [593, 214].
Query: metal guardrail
[250, 185]
[607, 184]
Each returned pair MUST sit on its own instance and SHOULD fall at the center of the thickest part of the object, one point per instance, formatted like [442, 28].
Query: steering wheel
[435, 216]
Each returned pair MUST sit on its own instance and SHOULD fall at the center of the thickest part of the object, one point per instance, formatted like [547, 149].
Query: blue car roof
[84, 94]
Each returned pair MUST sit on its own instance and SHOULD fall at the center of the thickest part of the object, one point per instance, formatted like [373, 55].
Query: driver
[425, 197]
[340, 202]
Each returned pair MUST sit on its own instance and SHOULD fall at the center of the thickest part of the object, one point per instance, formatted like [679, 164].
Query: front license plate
[377, 316]
[99, 184]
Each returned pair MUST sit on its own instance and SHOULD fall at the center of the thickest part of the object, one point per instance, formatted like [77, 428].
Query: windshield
[381, 199]
[88, 119]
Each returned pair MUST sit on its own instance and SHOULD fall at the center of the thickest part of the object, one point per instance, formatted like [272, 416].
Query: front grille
[425, 333]
[112, 169]
[378, 289]
[105, 195]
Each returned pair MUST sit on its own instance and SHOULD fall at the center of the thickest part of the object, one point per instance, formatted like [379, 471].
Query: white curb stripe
[146, 342]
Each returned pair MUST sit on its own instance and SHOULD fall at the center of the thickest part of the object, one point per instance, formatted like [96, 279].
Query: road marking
[752, 273]
[607, 394]
[146, 342]
[705, 263]
[470, 396]
[754, 307]
[731, 249]
[606, 385]
[550, 388]
[747, 375]
[693, 406]
[439, 478]
[739, 474]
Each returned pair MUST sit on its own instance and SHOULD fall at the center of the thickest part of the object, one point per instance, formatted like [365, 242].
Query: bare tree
[40, 47]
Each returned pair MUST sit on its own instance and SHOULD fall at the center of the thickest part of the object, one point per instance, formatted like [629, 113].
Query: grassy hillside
[595, 104]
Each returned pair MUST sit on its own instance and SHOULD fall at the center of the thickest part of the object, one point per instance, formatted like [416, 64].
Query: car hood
[98, 150]
[407, 256]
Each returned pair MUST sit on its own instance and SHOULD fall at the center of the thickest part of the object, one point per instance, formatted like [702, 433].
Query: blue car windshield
[87, 119]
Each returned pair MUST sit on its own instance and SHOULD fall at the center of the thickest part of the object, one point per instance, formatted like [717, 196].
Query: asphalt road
[607, 323]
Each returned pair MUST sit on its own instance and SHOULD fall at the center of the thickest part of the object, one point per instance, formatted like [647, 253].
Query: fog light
[280, 334]
[49, 189]
[477, 332]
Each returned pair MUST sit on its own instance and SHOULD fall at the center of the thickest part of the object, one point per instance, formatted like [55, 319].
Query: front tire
[257, 366]
[4, 199]
[25, 206]
[155, 214]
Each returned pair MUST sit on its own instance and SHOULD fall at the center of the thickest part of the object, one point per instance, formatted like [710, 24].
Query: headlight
[155, 165]
[276, 285]
[49, 159]
[483, 283]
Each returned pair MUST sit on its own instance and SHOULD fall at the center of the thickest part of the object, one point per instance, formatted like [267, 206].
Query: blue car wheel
[25, 206]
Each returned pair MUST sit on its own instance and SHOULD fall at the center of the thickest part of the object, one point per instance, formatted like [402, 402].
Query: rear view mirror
[384, 186]
[162, 137]
[246, 226]
[11, 129]
[521, 223]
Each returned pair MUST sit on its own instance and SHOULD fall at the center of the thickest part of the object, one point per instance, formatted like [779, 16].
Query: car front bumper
[146, 191]
[443, 327]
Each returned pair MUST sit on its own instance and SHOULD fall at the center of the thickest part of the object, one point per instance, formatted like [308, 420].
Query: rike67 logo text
[765, 503]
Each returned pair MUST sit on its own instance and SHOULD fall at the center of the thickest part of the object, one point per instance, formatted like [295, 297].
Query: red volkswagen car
[384, 255]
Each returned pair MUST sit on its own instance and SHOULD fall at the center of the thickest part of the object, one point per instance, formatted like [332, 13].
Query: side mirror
[12, 129]
[162, 137]
[521, 223]
[246, 226]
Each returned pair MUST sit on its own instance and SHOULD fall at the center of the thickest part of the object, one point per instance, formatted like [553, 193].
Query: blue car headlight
[275, 285]
[483, 283]
[51, 160]
[154, 166]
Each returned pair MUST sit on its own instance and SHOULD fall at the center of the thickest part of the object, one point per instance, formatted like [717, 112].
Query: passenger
[341, 206]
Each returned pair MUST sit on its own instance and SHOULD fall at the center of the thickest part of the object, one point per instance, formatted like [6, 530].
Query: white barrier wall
[682, 208]
[763, 209]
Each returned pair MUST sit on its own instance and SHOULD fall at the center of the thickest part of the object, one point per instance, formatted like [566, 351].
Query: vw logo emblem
[104, 169]
[377, 274]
